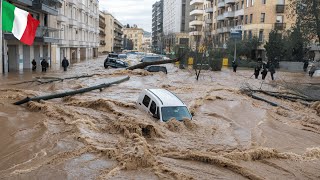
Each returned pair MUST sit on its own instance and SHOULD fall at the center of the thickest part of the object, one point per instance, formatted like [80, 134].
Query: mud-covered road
[102, 135]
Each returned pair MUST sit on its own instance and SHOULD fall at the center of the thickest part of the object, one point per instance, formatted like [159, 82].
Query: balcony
[73, 2]
[195, 33]
[226, 29]
[229, 1]
[101, 33]
[81, 25]
[219, 30]
[73, 43]
[82, 6]
[73, 22]
[196, 23]
[196, 12]
[220, 17]
[63, 42]
[228, 14]
[45, 34]
[208, 21]
[62, 18]
[239, 12]
[280, 8]
[279, 26]
[193, 2]
[24, 2]
[46, 6]
[209, 10]
[221, 4]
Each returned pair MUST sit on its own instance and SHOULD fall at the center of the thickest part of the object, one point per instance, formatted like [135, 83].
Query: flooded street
[102, 135]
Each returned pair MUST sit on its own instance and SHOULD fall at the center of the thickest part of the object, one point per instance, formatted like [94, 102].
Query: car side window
[146, 101]
[153, 107]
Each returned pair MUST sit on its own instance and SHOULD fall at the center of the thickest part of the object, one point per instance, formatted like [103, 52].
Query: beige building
[252, 17]
[77, 22]
[111, 35]
[136, 35]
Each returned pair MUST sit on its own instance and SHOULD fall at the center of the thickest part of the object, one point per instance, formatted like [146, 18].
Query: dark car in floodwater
[115, 63]
[156, 69]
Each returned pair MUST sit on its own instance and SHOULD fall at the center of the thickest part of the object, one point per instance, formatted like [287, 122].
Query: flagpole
[1, 37]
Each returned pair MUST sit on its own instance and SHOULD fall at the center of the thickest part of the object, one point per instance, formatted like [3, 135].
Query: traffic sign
[236, 35]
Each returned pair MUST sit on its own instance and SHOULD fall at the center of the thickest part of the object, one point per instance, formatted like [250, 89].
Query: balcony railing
[228, 14]
[221, 4]
[209, 10]
[280, 8]
[209, 21]
[47, 6]
[279, 26]
[220, 17]
[192, 2]
[196, 12]
[229, 1]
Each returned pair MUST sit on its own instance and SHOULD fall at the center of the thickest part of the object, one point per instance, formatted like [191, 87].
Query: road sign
[236, 35]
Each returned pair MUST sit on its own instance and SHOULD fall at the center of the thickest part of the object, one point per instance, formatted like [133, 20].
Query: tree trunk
[79, 91]
[145, 64]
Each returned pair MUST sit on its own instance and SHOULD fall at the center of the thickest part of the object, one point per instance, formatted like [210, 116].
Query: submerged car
[156, 69]
[151, 59]
[163, 105]
[122, 56]
[115, 63]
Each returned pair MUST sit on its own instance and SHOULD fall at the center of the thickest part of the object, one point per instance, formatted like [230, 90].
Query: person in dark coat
[272, 70]
[312, 70]
[234, 65]
[305, 65]
[257, 71]
[34, 65]
[65, 63]
[264, 71]
[44, 65]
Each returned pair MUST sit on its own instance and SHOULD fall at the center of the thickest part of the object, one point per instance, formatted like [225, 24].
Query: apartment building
[102, 34]
[17, 56]
[196, 24]
[176, 17]
[146, 42]
[136, 35]
[113, 30]
[157, 26]
[251, 17]
[78, 25]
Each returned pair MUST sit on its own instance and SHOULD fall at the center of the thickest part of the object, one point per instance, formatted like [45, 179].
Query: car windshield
[113, 55]
[177, 112]
[151, 59]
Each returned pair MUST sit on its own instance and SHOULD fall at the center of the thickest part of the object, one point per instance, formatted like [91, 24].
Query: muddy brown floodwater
[102, 135]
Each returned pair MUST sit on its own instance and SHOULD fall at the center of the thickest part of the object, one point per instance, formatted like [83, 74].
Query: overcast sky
[130, 11]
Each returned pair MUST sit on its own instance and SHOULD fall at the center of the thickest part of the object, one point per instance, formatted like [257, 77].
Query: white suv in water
[163, 105]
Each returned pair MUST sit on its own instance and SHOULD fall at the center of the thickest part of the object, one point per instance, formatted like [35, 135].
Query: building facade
[136, 35]
[113, 32]
[18, 56]
[146, 42]
[102, 34]
[78, 24]
[251, 18]
[157, 26]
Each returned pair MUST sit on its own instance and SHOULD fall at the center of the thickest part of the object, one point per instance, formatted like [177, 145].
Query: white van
[163, 105]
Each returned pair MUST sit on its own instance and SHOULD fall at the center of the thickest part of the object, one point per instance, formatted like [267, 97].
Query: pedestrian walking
[234, 65]
[264, 71]
[34, 65]
[257, 71]
[305, 65]
[44, 65]
[312, 70]
[65, 63]
[272, 70]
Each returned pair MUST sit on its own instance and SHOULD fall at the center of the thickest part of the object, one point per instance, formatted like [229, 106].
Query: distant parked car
[151, 59]
[156, 69]
[163, 105]
[115, 63]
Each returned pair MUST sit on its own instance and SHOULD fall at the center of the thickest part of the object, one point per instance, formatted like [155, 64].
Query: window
[279, 19]
[146, 101]
[263, 1]
[250, 34]
[153, 107]
[245, 34]
[246, 19]
[280, 2]
[248, 3]
[251, 18]
[261, 35]
[252, 2]
[263, 15]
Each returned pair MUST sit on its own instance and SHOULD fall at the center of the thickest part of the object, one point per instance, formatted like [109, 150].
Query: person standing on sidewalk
[234, 65]
[65, 63]
[34, 65]
[272, 70]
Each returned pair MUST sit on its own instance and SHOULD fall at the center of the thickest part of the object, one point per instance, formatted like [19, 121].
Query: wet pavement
[102, 135]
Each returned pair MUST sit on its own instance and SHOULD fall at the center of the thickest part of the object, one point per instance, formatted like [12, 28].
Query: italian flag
[22, 25]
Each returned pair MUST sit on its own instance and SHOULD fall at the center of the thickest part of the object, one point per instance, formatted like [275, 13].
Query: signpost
[235, 35]
[1, 56]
